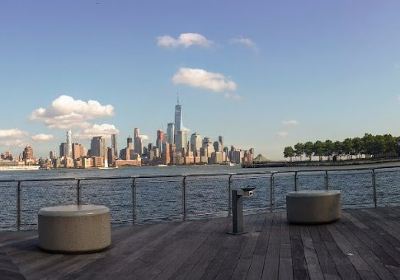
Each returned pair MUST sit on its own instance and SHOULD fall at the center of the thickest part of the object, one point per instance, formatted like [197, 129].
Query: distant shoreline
[320, 163]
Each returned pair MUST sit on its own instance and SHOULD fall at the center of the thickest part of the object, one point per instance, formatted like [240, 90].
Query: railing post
[326, 180]
[374, 186]
[78, 192]
[295, 181]
[230, 195]
[184, 198]
[271, 190]
[133, 200]
[19, 206]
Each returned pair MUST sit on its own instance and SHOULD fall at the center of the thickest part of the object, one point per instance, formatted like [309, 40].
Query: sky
[264, 74]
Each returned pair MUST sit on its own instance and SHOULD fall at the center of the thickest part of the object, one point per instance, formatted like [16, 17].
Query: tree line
[368, 146]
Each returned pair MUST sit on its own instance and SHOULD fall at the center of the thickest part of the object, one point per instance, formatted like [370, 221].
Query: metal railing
[270, 199]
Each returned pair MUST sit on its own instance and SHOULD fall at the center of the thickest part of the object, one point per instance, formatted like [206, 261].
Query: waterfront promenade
[364, 244]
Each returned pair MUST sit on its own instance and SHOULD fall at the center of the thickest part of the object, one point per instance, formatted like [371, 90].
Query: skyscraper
[178, 117]
[69, 144]
[160, 139]
[98, 147]
[181, 140]
[171, 133]
[114, 145]
[195, 143]
[129, 143]
[63, 149]
[138, 141]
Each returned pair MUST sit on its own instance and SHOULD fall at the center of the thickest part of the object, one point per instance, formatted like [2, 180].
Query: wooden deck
[364, 244]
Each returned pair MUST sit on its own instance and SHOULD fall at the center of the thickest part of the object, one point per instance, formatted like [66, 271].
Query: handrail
[134, 179]
[268, 172]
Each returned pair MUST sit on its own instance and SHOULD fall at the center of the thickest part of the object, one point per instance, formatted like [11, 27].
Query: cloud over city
[104, 129]
[12, 133]
[66, 112]
[42, 137]
[184, 40]
[199, 78]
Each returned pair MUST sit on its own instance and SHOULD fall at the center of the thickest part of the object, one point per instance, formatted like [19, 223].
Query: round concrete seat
[74, 228]
[313, 207]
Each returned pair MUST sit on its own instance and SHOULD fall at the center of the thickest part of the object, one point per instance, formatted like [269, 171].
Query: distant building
[181, 139]
[160, 140]
[171, 133]
[69, 144]
[129, 143]
[63, 150]
[98, 147]
[27, 155]
[195, 143]
[77, 151]
[138, 141]
[114, 145]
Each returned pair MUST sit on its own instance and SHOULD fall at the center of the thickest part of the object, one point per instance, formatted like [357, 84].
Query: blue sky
[272, 73]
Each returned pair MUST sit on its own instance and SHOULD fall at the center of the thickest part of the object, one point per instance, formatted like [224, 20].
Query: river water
[160, 199]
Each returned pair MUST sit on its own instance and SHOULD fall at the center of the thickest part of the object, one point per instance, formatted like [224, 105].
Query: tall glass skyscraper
[171, 133]
[178, 117]
[69, 144]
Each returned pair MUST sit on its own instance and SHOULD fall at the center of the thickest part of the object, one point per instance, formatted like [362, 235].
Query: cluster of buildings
[173, 147]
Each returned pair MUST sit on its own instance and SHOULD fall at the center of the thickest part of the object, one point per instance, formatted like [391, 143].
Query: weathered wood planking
[364, 244]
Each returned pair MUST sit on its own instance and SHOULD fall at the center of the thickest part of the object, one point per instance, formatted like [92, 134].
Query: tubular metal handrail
[184, 177]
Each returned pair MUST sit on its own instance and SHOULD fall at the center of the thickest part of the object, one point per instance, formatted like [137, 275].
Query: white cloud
[98, 130]
[247, 42]
[290, 122]
[12, 133]
[184, 40]
[66, 112]
[282, 134]
[13, 143]
[200, 78]
[42, 137]
[144, 137]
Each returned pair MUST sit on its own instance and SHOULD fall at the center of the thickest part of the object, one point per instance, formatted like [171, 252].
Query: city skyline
[265, 75]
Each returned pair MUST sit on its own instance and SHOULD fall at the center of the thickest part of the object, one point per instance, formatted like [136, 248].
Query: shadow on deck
[364, 244]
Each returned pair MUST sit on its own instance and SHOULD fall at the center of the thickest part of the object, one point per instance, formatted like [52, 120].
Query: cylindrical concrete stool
[313, 207]
[74, 228]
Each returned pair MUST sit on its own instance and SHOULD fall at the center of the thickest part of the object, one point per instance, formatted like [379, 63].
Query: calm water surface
[161, 198]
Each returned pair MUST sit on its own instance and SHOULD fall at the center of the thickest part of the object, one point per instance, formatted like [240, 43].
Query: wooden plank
[196, 264]
[298, 258]
[311, 257]
[271, 263]
[128, 252]
[332, 261]
[246, 254]
[232, 256]
[285, 256]
[257, 260]
[363, 250]
[164, 261]
[387, 242]
[8, 269]
[346, 251]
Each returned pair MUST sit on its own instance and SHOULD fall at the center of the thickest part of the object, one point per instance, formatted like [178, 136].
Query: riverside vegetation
[367, 147]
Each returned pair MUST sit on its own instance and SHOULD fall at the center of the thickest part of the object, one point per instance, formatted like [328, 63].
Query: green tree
[368, 144]
[357, 146]
[288, 152]
[347, 147]
[299, 150]
[328, 149]
[309, 149]
[338, 148]
[318, 149]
